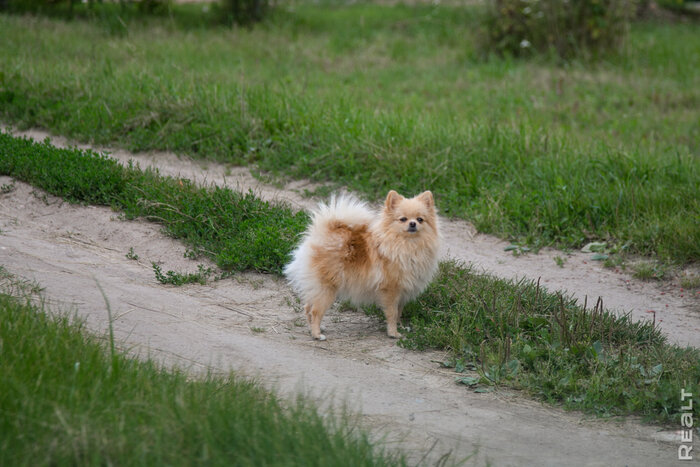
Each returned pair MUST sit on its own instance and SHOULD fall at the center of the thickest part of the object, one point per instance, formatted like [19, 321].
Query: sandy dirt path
[250, 324]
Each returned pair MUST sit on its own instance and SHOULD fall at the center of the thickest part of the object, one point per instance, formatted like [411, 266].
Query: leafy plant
[131, 254]
[177, 278]
[7, 188]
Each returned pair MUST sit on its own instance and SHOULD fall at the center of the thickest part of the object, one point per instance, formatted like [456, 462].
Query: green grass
[646, 270]
[504, 333]
[508, 333]
[66, 400]
[690, 280]
[374, 97]
[237, 230]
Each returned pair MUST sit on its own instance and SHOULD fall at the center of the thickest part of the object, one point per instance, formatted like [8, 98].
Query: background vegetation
[568, 29]
[375, 97]
[116, 17]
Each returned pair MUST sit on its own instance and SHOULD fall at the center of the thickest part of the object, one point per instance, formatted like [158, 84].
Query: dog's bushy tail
[342, 208]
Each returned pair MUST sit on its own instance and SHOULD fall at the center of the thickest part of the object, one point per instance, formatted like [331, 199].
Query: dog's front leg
[392, 313]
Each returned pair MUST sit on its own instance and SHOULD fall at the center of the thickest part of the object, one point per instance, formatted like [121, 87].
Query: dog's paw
[395, 335]
[321, 337]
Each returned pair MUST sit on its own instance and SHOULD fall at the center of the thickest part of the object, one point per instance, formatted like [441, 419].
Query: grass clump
[239, 231]
[690, 280]
[66, 402]
[178, 278]
[520, 335]
[374, 98]
[649, 270]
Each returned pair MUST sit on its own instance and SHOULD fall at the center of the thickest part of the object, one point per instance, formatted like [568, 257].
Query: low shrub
[116, 16]
[567, 28]
[79, 8]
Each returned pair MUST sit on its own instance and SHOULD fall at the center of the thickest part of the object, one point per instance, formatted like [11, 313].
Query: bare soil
[252, 324]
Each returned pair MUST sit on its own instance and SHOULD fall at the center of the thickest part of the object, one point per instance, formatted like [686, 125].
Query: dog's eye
[403, 219]
[420, 220]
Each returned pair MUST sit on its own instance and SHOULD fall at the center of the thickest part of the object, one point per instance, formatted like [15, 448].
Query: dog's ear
[392, 199]
[426, 198]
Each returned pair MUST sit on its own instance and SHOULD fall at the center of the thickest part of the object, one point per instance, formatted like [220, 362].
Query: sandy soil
[251, 324]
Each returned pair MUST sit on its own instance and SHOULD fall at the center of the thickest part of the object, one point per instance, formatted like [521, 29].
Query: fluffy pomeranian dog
[354, 253]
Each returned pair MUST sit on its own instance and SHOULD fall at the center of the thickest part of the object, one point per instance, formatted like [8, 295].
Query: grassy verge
[506, 333]
[67, 400]
[375, 97]
[237, 230]
[518, 334]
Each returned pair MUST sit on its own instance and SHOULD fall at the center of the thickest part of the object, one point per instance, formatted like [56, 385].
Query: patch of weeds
[191, 254]
[373, 310]
[132, 254]
[177, 279]
[615, 262]
[649, 270]
[559, 261]
[6, 188]
[517, 249]
[690, 281]
[257, 330]
[300, 322]
[43, 197]
[293, 302]
[16, 286]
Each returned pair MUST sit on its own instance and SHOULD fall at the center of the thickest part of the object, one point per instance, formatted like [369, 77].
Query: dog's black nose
[412, 225]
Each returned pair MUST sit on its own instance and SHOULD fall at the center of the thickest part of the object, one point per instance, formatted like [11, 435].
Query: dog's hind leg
[315, 310]
[307, 310]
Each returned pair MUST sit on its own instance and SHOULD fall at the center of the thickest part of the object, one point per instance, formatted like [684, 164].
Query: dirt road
[251, 324]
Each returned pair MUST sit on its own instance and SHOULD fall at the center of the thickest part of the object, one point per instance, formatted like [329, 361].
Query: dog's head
[410, 216]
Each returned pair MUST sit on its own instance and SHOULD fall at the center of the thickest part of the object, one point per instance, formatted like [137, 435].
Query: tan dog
[352, 253]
